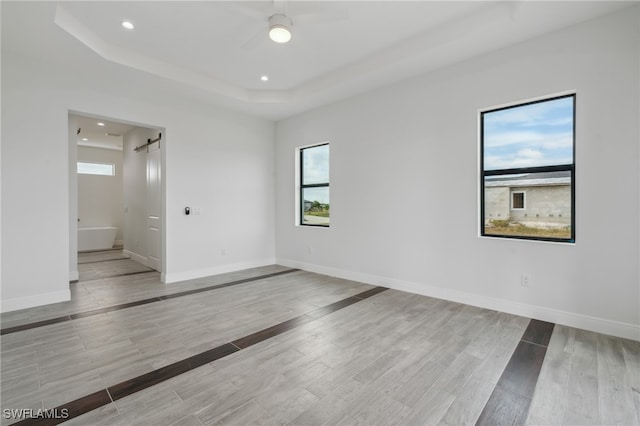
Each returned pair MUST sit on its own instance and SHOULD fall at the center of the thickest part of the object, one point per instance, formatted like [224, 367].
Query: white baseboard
[35, 300]
[585, 322]
[135, 256]
[174, 277]
[74, 276]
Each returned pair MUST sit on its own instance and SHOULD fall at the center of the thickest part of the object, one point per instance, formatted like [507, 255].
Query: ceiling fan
[280, 28]
[278, 21]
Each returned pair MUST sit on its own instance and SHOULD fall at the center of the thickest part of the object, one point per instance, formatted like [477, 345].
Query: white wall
[404, 183]
[35, 192]
[225, 169]
[214, 159]
[100, 198]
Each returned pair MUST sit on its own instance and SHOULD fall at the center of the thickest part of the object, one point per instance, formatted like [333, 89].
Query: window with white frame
[314, 185]
[517, 200]
[101, 169]
[527, 167]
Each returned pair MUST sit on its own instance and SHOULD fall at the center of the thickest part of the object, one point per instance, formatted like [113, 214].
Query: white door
[154, 207]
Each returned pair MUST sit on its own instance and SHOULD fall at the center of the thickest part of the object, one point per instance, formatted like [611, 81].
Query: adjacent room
[320, 212]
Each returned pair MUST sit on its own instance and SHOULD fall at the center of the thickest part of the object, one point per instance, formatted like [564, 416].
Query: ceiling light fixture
[128, 25]
[100, 124]
[264, 78]
[85, 139]
[279, 28]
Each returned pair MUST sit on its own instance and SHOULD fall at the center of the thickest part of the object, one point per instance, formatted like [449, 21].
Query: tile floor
[309, 349]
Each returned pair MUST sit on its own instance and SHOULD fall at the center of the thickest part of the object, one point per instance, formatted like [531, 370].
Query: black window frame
[304, 186]
[521, 170]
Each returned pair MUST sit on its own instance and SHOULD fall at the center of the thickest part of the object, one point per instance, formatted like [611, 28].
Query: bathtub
[96, 238]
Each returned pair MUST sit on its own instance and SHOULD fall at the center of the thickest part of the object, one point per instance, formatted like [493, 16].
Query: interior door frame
[73, 189]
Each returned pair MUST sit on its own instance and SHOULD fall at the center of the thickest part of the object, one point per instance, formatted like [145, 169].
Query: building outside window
[528, 170]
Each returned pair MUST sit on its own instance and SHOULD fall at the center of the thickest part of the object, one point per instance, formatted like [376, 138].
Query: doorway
[124, 197]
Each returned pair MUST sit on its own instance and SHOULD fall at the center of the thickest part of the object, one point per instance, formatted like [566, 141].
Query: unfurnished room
[289, 212]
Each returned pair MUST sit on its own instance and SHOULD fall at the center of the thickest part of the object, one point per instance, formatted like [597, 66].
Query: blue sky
[539, 134]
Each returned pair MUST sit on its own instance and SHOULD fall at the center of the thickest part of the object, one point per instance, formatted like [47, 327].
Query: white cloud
[526, 157]
[529, 139]
[496, 163]
[528, 153]
[558, 141]
[497, 139]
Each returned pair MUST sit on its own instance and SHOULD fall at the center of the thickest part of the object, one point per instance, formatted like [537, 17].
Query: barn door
[154, 206]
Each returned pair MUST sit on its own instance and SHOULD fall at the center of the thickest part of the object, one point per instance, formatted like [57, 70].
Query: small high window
[527, 182]
[96, 169]
[314, 185]
[517, 200]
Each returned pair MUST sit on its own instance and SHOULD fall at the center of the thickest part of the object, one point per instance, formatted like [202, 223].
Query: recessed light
[100, 124]
[264, 78]
[128, 25]
[85, 139]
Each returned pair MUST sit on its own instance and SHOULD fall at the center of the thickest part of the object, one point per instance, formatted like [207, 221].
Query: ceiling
[106, 135]
[216, 51]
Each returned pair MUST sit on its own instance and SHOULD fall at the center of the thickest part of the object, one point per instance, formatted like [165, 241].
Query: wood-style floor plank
[431, 407]
[504, 408]
[521, 374]
[631, 351]
[468, 404]
[538, 332]
[582, 396]
[549, 401]
[615, 394]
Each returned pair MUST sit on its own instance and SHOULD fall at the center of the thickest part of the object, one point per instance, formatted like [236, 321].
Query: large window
[528, 170]
[314, 185]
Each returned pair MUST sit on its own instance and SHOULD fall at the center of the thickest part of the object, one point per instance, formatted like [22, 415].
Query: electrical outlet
[525, 280]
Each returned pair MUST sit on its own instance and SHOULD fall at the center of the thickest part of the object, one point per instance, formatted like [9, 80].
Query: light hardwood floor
[588, 379]
[392, 358]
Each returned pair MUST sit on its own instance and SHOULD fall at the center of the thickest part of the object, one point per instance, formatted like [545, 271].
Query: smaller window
[96, 169]
[314, 185]
[517, 200]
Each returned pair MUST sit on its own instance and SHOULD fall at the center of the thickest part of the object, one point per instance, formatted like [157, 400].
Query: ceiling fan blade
[255, 39]
[252, 10]
[334, 14]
